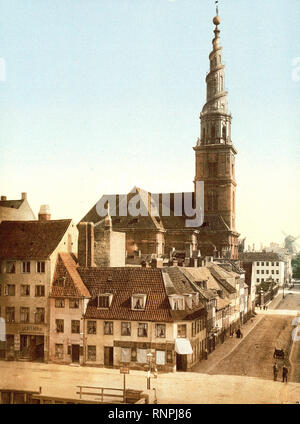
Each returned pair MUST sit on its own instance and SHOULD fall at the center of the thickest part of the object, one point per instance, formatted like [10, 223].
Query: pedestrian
[284, 374]
[275, 371]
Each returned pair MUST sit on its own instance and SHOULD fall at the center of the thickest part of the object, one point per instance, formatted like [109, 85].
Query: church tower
[215, 162]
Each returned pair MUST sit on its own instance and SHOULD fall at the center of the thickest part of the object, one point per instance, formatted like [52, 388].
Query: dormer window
[60, 282]
[138, 302]
[177, 303]
[189, 300]
[196, 298]
[104, 300]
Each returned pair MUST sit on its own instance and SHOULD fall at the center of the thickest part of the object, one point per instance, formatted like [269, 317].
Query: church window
[213, 132]
[224, 132]
[221, 83]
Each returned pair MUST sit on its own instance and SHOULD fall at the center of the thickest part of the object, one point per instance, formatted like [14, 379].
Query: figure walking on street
[284, 374]
[275, 371]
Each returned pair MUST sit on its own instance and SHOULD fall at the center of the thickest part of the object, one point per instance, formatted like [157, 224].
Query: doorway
[108, 356]
[32, 347]
[75, 353]
[181, 362]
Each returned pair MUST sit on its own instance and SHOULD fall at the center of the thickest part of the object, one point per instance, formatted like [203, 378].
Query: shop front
[26, 343]
[32, 347]
[183, 348]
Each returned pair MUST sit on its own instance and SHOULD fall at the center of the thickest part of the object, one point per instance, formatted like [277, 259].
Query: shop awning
[183, 347]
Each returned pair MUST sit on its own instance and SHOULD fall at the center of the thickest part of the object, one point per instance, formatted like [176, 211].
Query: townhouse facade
[68, 300]
[28, 253]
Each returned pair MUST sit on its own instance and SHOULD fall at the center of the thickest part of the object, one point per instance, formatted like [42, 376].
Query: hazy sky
[102, 95]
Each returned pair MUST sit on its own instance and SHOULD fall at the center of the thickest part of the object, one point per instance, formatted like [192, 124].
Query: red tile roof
[66, 269]
[123, 283]
[31, 239]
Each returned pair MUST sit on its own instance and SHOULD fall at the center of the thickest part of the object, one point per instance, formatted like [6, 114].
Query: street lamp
[149, 359]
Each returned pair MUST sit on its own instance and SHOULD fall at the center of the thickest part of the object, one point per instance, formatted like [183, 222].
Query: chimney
[172, 251]
[188, 250]
[3, 198]
[157, 263]
[86, 244]
[23, 196]
[44, 213]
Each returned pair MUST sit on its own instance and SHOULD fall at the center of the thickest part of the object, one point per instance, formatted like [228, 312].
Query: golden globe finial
[217, 20]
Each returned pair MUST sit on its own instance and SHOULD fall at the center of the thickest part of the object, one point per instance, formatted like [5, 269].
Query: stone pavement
[172, 388]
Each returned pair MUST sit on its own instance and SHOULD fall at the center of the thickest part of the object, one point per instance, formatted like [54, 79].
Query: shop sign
[31, 328]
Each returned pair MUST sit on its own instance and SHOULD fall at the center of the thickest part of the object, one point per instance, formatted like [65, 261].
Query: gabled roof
[222, 303]
[15, 204]
[66, 269]
[149, 222]
[177, 283]
[202, 274]
[193, 276]
[122, 283]
[223, 277]
[259, 256]
[31, 239]
[180, 283]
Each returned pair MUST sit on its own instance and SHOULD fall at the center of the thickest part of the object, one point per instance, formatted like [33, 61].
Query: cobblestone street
[253, 355]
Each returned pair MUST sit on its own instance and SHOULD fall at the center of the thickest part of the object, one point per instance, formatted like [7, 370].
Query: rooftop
[31, 239]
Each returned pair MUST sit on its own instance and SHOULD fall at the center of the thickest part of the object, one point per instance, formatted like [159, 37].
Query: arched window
[203, 134]
[221, 83]
[224, 132]
[213, 132]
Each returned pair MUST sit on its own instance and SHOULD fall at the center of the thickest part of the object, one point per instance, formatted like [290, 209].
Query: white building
[265, 266]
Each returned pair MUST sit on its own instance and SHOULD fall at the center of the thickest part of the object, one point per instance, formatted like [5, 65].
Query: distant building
[16, 210]
[265, 266]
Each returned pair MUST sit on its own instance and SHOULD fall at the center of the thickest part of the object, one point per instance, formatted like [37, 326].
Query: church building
[161, 235]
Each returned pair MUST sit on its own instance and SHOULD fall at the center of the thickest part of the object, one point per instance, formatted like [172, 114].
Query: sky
[99, 96]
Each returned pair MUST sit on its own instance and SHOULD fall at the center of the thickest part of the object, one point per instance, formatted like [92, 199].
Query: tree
[296, 266]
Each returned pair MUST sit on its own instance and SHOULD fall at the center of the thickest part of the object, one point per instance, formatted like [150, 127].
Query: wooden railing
[119, 395]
